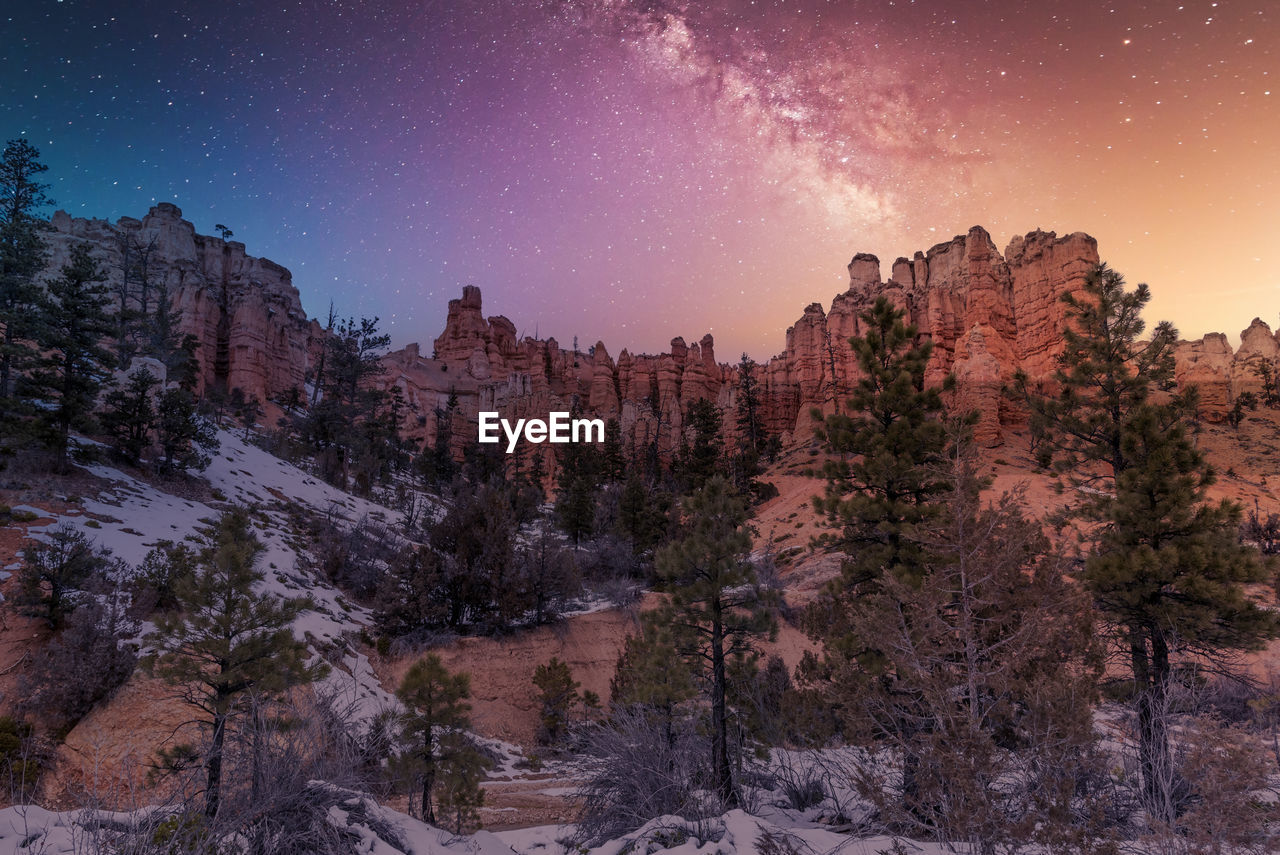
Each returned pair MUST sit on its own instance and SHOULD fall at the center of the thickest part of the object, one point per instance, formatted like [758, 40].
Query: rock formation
[987, 315]
[244, 311]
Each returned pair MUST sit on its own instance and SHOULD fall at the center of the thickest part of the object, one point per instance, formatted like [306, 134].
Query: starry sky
[631, 170]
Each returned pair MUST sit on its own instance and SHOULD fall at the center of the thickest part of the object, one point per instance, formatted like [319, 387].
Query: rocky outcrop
[1220, 373]
[987, 314]
[244, 311]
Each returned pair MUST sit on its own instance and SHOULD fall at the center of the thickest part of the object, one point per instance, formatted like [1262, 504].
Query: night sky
[631, 170]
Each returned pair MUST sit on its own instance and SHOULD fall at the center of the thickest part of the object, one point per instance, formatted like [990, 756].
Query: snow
[131, 517]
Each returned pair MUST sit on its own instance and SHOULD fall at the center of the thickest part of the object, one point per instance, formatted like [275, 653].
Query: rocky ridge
[244, 311]
[987, 314]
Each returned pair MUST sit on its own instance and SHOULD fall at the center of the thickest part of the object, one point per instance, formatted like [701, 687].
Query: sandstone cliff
[987, 314]
[244, 311]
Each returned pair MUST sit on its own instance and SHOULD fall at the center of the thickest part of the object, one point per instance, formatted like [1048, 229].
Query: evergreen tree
[129, 415]
[643, 513]
[701, 455]
[435, 703]
[22, 258]
[716, 610]
[1167, 573]
[613, 465]
[578, 482]
[164, 341]
[54, 569]
[246, 409]
[557, 695]
[73, 365]
[546, 575]
[982, 672]
[883, 482]
[339, 423]
[186, 439]
[132, 288]
[1268, 372]
[1167, 566]
[458, 789]
[1105, 373]
[651, 675]
[436, 463]
[883, 479]
[227, 643]
[754, 442]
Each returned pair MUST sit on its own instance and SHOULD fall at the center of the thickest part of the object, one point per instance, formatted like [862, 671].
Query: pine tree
[613, 465]
[651, 675]
[983, 673]
[754, 443]
[164, 341]
[54, 569]
[882, 480]
[557, 695]
[129, 415]
[226, 642]
[22, 258]
[643, 513]
[578, 482]
[1105, 372]
[701, 454]
[716, 610]
[185, 437]
[71, 370]
[1167, 572]
[435, 701]
[459, 790]
[1167, 566]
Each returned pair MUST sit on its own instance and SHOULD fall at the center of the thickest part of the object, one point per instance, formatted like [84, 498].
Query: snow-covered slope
[130, 517]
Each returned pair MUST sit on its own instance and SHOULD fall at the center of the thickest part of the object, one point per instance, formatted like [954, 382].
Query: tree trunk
[213, 767]
[719, 724]
[1151, 681]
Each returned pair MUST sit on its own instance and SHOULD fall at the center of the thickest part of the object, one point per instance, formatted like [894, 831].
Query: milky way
[632, 170]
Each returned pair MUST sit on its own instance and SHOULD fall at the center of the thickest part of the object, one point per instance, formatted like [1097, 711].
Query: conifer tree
[643, 513]
[651, 675]
[1168, 572]
[717, 611]
[56, 568]
[22, 258]
[557, 695]
[883, 479]
[1167, 565]
[185, 437]
[435, 701]
[129, 414]
[459, 792]
[1105, 373]
[577, 482]
[701, 454]
[227, 643]
[613, 465]
[982, 673]
[754, 444]
[72, 322]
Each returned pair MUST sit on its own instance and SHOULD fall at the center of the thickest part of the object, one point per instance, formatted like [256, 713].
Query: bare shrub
[1230, 807]
[357, 557]
[639, 770]
[83, 665]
